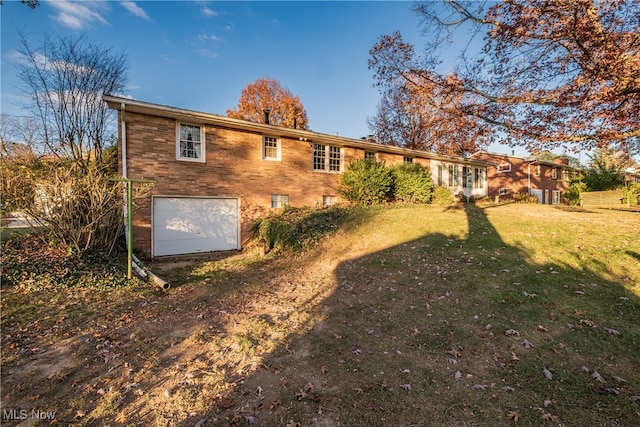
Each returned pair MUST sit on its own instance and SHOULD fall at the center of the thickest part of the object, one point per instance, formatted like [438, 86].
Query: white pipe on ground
[158, 281]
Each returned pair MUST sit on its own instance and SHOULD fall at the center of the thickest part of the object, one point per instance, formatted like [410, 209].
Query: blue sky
[199, 55]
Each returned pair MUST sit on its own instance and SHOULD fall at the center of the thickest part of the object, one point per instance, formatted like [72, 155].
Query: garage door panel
[183, 225]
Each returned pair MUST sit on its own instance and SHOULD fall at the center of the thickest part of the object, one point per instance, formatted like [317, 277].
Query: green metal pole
[129, 228]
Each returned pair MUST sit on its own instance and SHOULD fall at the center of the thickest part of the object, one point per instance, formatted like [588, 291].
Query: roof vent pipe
[266, 112]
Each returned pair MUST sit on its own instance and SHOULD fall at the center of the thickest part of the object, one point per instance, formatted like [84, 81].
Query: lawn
[407, 316]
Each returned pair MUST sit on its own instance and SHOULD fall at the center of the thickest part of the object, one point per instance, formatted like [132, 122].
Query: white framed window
[407, 159]
[504, 167]
[555, 197]
[554, 173]
[270, 148]
[327, 158]
[190, 144]
[538, 170]
[440, 170]
[329, 200]
[467, 177]
[479, 178]
[279, 200]
[503, 191]
[369, 155]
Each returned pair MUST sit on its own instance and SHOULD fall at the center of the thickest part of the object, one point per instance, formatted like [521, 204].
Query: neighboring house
[632, 175]
[509, 175]
[215, 176]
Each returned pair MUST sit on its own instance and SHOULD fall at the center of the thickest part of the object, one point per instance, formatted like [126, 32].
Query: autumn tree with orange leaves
[267, 93]
[550, 74]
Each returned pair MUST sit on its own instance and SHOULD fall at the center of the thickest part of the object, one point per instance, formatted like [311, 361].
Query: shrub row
[371, 182]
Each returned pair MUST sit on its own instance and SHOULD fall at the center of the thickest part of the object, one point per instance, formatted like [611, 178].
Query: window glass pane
[279, 200]
[318, 157]
[329, 200]
[190, 145]
[270, 147]
[334, 158]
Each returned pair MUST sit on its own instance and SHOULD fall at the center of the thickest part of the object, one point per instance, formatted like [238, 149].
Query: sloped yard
[408, 316]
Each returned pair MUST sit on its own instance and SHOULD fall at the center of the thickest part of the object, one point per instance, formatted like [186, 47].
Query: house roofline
[528, 159]
[135, 106]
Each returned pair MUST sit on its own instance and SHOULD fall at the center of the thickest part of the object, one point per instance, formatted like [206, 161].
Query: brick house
[508, 175]
[215, 176]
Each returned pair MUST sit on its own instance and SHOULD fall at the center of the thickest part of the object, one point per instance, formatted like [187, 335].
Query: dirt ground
[168, 358]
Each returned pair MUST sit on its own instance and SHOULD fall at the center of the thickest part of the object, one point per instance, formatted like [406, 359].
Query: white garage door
[186, 225]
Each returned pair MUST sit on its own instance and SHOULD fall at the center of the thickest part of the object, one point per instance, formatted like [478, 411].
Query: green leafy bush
[442, 196]
[525, 198]
[31, 262]
[631, 193]
[572, 194]
[412, 183]
[298, 229]
[366, 182]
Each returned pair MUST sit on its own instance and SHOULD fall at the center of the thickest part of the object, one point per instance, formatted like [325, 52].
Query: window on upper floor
[538, 170]
[327, 158]
[504, 167]
[369, 155]
[407, 159]
[554, 173]
[279, 200]
[270, 148]
[190, 144]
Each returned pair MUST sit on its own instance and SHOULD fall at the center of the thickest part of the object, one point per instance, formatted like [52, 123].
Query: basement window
[190, 143]
[329, 200]
[503, 191]
[279, 200]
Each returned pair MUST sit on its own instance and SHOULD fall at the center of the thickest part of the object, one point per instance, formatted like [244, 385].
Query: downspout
[123, 127]
[135, 262]
[529, 177]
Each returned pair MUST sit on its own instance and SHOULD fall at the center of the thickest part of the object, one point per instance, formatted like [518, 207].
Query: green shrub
[630, 194]
[572, 195]
[442, 196]
[412, 183]
[298, 229]
[366, 182]
[525, 198]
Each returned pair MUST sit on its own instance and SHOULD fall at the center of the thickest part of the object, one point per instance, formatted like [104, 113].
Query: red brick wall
[234, 167]
[523, 175]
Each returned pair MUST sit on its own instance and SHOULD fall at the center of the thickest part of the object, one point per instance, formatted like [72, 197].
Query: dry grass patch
[407, 316]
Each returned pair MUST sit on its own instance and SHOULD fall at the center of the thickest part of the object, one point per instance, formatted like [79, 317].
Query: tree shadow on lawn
[456, 330]
[412, 332]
